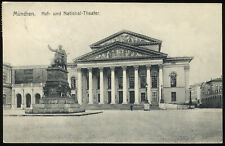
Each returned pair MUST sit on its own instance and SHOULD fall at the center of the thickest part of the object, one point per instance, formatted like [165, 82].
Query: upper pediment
[127, 37]
[119, 50]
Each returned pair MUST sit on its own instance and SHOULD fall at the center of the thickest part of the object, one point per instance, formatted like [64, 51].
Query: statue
[60, 59]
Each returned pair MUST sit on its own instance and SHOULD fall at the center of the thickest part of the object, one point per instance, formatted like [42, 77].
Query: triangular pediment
[119, 50]
[127, 37]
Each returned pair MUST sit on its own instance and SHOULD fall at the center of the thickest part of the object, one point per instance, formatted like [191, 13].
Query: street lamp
[190, 101]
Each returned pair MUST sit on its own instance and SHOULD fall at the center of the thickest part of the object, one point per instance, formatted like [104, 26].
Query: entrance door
[109, 97]
[131, 96]
[28, 100]
[120, 97]
[19, 100]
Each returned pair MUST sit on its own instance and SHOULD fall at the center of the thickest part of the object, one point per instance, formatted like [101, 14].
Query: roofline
[124, 31]
[185, 58]
[30, 66]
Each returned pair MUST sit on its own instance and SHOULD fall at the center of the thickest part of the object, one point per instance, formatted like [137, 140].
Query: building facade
[124, 68]
[211, 93]
[196, 94]
[7, 85]
[27, 85]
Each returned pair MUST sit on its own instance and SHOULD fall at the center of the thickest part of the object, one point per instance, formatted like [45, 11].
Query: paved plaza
[164, 126]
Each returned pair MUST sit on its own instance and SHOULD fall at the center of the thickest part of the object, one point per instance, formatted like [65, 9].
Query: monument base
[55, 106]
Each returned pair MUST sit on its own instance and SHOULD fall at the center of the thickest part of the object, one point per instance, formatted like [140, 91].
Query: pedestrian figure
[131, 107]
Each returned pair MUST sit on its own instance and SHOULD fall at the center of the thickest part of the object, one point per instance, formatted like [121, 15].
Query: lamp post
[190, 101]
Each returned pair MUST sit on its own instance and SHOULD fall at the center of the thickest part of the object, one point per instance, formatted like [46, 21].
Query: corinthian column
[160, 82]
[149, 84]
[124, 85]
[136, 88]
[101, 86]
[79, 86]
[113, 85]
[90, 86]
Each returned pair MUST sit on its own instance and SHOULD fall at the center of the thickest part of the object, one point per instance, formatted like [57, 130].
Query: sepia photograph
[88, 72]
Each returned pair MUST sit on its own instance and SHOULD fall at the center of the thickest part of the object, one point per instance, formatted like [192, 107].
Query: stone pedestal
[56, 97]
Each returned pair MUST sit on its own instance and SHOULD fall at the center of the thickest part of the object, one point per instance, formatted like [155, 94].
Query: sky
[185, 30]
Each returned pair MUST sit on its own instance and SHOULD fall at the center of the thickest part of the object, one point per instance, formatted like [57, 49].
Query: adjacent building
[211, 93]
[7, 85]
[124, 68]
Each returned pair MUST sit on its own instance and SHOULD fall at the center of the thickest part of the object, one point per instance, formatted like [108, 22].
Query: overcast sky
[185, 30]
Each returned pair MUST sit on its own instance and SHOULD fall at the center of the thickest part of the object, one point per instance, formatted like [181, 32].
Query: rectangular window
[120, 82]
[109, 82]
[154, 80]
[73, 83]
[4, 77]
[4, 99]
[28, 75]
[131, 82]
[143, 81]
[143, 98]
[173, 96]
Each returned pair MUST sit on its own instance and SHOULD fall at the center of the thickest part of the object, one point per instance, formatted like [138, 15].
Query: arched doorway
[19, 100]
[37, 98]
[28, 100]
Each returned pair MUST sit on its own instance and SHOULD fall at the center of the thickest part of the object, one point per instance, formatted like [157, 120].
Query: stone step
[112, 107]
[54, 110]
[44, 106]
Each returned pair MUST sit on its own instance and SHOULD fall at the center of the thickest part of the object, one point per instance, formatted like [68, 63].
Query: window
[173, 79]
[120, 82]
[109, 82]
[131, 82]
[4, 99]
[154, 79]
[143, 98]
[173, 96]
[4, 77]
[28, 75]
[143, 81]
[98, 82]
[73, 83]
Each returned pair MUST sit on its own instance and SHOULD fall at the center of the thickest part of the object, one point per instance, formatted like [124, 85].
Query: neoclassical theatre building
[123, 68]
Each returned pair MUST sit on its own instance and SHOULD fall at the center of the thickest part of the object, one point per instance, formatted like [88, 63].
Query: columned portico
[124, 85]
[148, 67]
[113, 85]
[136, 86]
[101, 86]
[90, 86]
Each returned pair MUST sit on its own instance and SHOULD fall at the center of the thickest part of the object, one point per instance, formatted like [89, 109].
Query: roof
[215, 80]
[152, 40]
[172, 59]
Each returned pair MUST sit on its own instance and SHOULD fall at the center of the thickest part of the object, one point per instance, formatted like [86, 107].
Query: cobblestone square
[156, 126]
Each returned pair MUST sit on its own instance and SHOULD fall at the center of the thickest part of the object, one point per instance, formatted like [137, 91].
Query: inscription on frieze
[118, 53]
